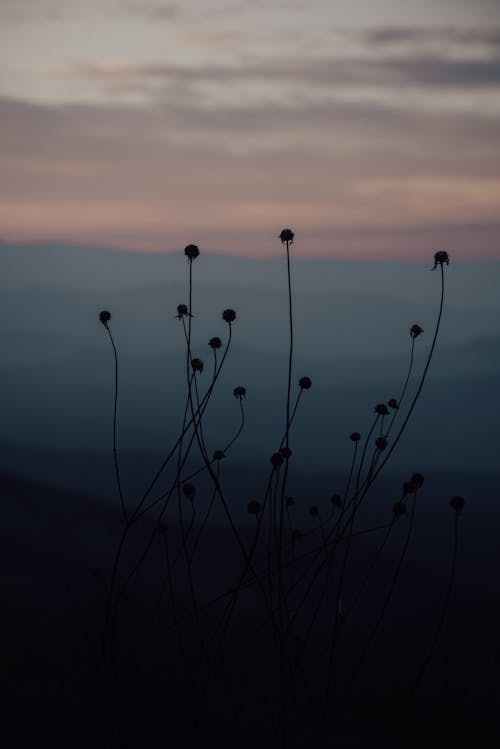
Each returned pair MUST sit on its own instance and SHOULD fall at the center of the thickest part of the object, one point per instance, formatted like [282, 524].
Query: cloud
[328, 72]
[146, 176]
[387, 36]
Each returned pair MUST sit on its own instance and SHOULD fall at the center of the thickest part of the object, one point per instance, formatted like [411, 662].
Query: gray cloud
[385, 36]
[418, 71]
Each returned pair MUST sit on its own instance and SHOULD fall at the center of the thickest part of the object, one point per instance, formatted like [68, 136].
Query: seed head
[215, 342]
[286, 452]
[254, 507]
[229, 315]
[457, 503]
[277, 460]
[355, 437]
[399, 509]
[105, 317]
[219, 455]
[381, 409]
[305, 383]
[336, 500]
[197, 365]
[441, 258]
[189, 490]
[191, 252]
[381, 443]
[240, 392]
[182, 311]
[415, 331]
[392, 403]
[286, 236]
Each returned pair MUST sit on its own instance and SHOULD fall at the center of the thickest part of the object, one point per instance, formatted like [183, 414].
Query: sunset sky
[370, 127]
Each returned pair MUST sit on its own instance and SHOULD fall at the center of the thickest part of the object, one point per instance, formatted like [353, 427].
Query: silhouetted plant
[304, 595]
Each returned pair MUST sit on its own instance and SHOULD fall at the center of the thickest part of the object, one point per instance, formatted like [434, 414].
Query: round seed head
[457, 503]
[381, 409]
[355, 437]
[441, 258]
[381, 443]
[286, 235]
[197, 365]
[215, 342]
[399, 509]
[239, 392]
[277, 460]
[336, 500]
[415, 331]
[105, 317]
[392, 403]
[254, 507]
[305, 383]
[191, 252]
[286, 452]
[182, 311]
[189, 490]
[219, 455]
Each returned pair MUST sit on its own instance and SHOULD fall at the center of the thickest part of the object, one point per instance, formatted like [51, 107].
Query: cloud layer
[352, 134]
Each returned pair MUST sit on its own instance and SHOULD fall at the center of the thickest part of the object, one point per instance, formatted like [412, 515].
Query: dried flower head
[305, 383]
[215, 342]
[239, 392]
[191, 252]
[286, 236]
[457, 503]
[229, 316]
[381, 443]
[182, 311]
[381, 409]
[399, 509]
[415, 331]
[336, 500]
[277, 459]
[197, 365]
[355, 437]
[189, 490]
[219, 455]
[254, 507]
[105, 317]
[286, 452]
[441, 258]
[392, 403]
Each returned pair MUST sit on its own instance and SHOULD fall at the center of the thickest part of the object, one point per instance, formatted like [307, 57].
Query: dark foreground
[156, 684]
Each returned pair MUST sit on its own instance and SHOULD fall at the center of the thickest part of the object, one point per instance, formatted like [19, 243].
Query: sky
[372, 128]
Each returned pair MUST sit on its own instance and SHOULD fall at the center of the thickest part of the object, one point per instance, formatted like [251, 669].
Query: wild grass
[273, 653]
